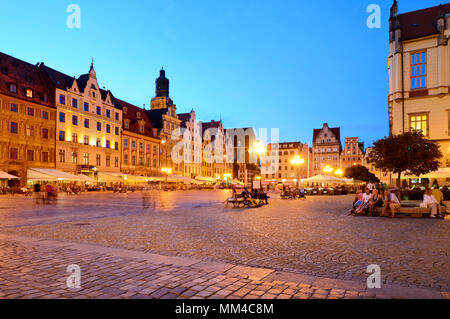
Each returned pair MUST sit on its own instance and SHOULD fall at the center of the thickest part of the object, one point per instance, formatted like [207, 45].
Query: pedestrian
[430, 202]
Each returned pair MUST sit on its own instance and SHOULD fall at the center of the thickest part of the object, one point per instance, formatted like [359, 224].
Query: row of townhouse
[52, 121]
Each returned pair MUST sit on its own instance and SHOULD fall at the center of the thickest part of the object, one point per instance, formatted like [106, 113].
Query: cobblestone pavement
[313, 237]
[31, 268]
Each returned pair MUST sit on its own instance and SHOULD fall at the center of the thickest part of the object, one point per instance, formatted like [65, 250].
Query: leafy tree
[409, 153]
[360, 173]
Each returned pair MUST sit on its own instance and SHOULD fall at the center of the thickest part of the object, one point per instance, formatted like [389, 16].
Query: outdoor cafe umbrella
[323, 179]
[4, 175]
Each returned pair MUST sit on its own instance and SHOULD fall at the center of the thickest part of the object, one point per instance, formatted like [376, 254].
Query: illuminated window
[418, 70]
[86, 140]
[62, 156]
[13, 88]
[98, 160]
[74, 158]
[29, 93]
[419, 122]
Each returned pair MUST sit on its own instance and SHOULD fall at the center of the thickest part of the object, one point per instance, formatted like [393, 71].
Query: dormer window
[138, 115]
[126, 124]
[141, 128]
[125, 110]
[13, 88]
[29, 93]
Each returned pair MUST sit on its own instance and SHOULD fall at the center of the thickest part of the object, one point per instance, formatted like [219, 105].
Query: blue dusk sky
[289, 64]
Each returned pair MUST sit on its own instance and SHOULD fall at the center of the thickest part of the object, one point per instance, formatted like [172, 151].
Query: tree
[409, 153]
[360, 173]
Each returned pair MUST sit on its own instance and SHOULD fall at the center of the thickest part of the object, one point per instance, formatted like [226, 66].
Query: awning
[440, 173]
[49, 174]
[206, 179]
[322, 179]
[4, 175]
[106, 177]
[85, 178]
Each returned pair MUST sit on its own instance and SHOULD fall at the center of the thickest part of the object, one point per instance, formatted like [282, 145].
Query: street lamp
[297, 161]
[167, 171]
[328, 169]
[259, 149]
[339, 172]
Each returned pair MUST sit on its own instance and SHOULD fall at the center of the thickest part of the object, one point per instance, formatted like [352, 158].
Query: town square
[255, 158]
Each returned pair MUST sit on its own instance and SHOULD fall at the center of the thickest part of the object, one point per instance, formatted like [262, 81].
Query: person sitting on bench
[430, 202]
[248, 197]
[391, 201]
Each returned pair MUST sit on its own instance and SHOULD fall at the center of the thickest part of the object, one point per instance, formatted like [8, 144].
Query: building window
[98, 160]
[74, 120]
[125, 159]
[108, 128]
[29, 130]
[99, 110]
[13, 88]
[133, 160]
[74, 137]
[108, 144]
[45, 157]
[74, 158]
[141, 146]
[30, 111]
[116, 129]
[62, 99]
[29, 93]
[14, 128]
[116, 146]
[116, 162]
[125, 143]
[62, 156]
[62, 117]
[14, 107]
[108, 113]
[108, 161]
[117, 116]
[99, 126]
[86, 123]
[148, 148]
[418, 70]
[62, 136]
[86, 140]
[45, 133]
[45, 115]
[133, 144]
[86, 107]
[75, 103]
[86, 158]
[99, 142]
[419, 122]
[14, 153]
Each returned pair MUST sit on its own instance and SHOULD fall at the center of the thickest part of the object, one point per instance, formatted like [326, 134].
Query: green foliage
[409, 153]
[360, 173]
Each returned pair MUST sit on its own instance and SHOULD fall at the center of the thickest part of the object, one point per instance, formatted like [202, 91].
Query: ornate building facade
[419, 75]
[140, 145]
[88, 124]
[163, 115]
[326, 148]
[27, 119]
[192, 139]
[279, 157]
[353, 153]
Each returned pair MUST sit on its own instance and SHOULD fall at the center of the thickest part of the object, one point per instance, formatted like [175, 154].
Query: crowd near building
[53, 124]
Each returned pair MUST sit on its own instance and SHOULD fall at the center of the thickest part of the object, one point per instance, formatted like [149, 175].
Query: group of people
[376, 196]
[45, 194]
[293, 193]
[255, 197]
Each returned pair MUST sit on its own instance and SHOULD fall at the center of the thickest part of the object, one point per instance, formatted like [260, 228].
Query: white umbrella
[4, 175]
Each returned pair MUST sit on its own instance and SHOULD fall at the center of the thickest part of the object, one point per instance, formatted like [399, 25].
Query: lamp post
[339, 172]
[259, 149]
[298, 161]
[167, 171]
[328, 169]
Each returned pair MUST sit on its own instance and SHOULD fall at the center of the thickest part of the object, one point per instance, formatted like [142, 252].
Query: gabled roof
[156, 117]
[212, 124]
[25, 76]
[131, 115]
[184, 117]
[421, 23]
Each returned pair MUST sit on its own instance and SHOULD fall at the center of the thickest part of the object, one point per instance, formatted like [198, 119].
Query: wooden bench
[412, 212]
[241, 202]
